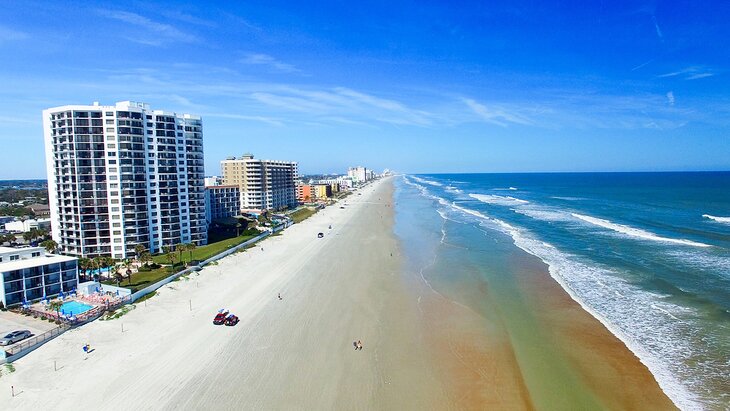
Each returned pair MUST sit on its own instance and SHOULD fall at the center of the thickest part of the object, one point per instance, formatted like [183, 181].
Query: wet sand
[557, 357]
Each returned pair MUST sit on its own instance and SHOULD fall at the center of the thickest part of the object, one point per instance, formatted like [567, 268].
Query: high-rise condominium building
[358, 174]
[124, 175]
[264, 184]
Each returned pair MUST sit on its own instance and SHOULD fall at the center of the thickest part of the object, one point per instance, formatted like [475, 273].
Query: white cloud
[496, 116]
[266, 60]
[658, 30]
[158, 33]
[670, 98]
[8, 34]
[689, 73]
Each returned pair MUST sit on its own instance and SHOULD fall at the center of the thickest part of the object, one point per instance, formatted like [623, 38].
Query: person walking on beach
[279, 295]
[359, 345]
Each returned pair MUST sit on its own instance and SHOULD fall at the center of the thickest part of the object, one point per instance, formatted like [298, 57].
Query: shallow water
[647, 253]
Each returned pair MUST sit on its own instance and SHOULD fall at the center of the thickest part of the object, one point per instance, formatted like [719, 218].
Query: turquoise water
[648, 254]
[75, 308]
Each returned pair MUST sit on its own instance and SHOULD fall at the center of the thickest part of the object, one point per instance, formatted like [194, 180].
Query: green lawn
[302, 214]
[204, 252]
[143, 279]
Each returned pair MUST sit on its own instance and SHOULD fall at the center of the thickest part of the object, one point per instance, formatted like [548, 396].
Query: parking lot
[12, 322]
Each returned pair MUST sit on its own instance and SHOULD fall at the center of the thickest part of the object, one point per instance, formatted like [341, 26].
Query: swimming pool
[74, 308]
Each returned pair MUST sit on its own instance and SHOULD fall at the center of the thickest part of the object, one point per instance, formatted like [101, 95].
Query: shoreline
[548, 349]
[662, 377]
[421, 349]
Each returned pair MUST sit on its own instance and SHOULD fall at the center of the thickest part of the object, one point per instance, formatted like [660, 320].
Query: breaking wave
[635, 232]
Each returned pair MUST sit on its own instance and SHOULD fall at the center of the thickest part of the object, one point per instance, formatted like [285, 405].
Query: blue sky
[413, 86]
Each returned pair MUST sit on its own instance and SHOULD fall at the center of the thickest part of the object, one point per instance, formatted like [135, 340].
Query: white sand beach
[294, 353]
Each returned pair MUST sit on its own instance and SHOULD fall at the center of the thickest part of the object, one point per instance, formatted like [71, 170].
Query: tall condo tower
[124, 175]
[264, 184]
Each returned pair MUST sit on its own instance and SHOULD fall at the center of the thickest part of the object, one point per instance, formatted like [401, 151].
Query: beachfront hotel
[29, 274]
[222, 202]
[124, 175]
[264, 184]
[360, 174]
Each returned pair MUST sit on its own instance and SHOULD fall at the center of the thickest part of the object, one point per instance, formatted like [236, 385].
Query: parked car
[232, 320]
[14, 337]
[320, 235]
[220, 318]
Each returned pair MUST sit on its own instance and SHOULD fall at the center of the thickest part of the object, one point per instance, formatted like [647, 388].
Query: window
[116, 225]
[35, 254]
[14, 257]
[111, 146]
[115, 209]
[111, 154]
[115, 201]
[118, 248]
[117, 240]
[112, 161]
[109, 113]
[117, 232]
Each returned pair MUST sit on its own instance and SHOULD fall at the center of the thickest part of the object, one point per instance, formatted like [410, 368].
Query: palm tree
[138, 251]
[84, 264]
[41, 233]
[96, 264]
[172, 258]
[50, 246]
[191, 247]
[145, 258]
[55, 305]
[180, 248]
[28, 236]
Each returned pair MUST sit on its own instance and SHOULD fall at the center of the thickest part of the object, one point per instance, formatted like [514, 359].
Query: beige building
[263, 184]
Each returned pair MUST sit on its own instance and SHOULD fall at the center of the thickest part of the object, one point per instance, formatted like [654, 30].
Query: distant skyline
[412, 86]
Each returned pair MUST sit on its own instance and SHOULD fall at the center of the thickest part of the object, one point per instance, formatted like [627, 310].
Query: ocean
[647, 254]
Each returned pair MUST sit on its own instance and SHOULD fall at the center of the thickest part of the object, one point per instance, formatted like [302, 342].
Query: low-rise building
[322, 191]
[304, 193]
[40, 210]
[29, 274]
[27, 225]
[222, 201]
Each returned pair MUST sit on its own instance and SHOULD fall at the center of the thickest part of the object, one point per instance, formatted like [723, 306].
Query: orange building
[305, 193]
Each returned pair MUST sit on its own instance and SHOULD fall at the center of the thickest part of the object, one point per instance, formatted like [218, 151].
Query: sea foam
[634, 232]
[429, 182]
[498, 200]
[723, 220]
